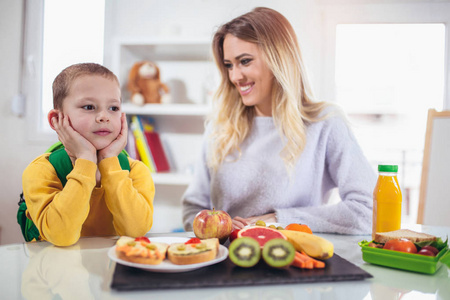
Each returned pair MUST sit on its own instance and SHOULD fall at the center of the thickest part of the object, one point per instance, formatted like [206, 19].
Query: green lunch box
[405, 261]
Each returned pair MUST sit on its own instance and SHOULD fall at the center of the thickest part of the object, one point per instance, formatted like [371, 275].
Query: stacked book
[145, 144]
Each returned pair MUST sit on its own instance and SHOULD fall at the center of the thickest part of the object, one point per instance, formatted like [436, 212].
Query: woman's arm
[350, 171]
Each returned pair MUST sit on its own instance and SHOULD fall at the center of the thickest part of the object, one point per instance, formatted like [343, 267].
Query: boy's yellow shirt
[122, 205]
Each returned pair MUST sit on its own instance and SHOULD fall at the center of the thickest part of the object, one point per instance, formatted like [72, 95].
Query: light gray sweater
[258, 183]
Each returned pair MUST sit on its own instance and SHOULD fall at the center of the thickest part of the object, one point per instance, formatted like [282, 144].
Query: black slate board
[226, 273]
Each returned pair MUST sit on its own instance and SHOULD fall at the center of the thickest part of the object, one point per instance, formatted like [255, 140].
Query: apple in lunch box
[213, 224]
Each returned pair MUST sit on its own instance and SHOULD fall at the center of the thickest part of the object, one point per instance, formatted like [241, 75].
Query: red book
[157, 150]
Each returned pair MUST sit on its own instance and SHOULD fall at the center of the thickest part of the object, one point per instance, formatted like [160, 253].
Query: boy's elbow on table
[63, 239]
[138, 227]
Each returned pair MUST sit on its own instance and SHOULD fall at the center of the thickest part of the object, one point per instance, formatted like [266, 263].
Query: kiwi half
[244, 252]
[278, 253]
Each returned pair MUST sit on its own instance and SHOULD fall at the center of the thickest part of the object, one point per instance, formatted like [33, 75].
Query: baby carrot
[298, 263]
[302, 261]
[317, 263]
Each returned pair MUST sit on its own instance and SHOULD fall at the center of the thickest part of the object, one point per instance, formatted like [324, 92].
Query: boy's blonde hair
[64, 80]
[292, 105]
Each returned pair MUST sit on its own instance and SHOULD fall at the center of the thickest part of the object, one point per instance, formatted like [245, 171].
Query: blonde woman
[270, 151]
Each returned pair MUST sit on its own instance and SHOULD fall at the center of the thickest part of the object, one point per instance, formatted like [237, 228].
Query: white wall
[15, 150]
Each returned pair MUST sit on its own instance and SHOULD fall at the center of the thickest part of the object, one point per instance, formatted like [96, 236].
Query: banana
[313, 245]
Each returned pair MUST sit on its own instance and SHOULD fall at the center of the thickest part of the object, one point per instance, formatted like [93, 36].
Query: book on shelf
[131, 145]
[148, 144]
[156, 147]
[157, 151]
[141, 143]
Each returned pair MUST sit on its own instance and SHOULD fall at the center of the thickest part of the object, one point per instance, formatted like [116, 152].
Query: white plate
[268, 224]
[166, 266]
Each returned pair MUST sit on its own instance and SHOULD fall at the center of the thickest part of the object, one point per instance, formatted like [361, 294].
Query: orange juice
[387, 201]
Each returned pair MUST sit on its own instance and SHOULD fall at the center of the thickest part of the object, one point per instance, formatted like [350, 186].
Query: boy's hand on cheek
[76, 145]
[116, 145]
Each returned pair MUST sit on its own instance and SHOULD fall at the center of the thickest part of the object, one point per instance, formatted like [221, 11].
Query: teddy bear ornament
[145, 85]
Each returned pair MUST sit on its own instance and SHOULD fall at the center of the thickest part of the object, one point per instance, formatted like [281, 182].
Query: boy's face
[93, 107]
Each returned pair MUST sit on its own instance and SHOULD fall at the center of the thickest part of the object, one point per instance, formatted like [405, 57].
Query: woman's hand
[118, 144]
[75, 144]
[239, 223]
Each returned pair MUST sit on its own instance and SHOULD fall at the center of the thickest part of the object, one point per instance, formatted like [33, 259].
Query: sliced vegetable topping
[142, 239]
[193, 241]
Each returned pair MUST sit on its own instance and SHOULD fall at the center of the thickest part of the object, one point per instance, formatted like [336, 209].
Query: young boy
[99, 198]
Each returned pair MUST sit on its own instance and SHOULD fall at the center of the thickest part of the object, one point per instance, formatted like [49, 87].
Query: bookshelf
[187, 68]
[180, 127]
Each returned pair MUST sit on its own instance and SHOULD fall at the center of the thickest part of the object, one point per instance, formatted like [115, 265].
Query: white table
[84, 271]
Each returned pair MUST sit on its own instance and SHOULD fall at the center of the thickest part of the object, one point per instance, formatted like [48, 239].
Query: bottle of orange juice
[387, 201]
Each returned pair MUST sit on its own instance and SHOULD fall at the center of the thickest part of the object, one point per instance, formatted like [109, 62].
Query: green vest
[63, 166]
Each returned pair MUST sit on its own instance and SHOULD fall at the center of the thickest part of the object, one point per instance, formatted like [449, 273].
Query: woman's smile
[246, 88]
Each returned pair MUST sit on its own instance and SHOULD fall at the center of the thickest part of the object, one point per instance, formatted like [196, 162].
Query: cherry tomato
[142, 239]
[193, 241]
[402, 245]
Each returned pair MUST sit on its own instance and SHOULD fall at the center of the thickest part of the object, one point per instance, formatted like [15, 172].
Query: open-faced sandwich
[193, 251]
[141, 250]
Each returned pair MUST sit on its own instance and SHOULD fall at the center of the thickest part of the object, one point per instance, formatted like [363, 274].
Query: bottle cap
[388, 168]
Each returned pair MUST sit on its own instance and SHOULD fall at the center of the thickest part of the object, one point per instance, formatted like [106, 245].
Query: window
[387, 76]
[58, 33]
[73, 33]
[387, 68]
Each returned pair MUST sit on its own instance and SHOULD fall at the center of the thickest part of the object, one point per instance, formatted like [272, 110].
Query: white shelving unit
[178, 109]
[186, 67]
[171, 179]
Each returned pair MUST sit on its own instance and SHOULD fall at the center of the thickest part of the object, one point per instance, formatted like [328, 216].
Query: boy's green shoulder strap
[29, 230]
[63, 166]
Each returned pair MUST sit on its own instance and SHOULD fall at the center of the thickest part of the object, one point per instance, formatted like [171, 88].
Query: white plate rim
[166, 266]
[267, 225]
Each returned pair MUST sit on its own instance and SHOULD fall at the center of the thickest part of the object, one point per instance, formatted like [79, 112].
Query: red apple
[234, 235]
[213, 224]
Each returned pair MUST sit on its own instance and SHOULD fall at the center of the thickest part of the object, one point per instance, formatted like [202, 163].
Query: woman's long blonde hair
[292, 106]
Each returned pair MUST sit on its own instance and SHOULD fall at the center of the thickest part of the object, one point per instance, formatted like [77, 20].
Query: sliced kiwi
[278, 253]
[245, 252]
